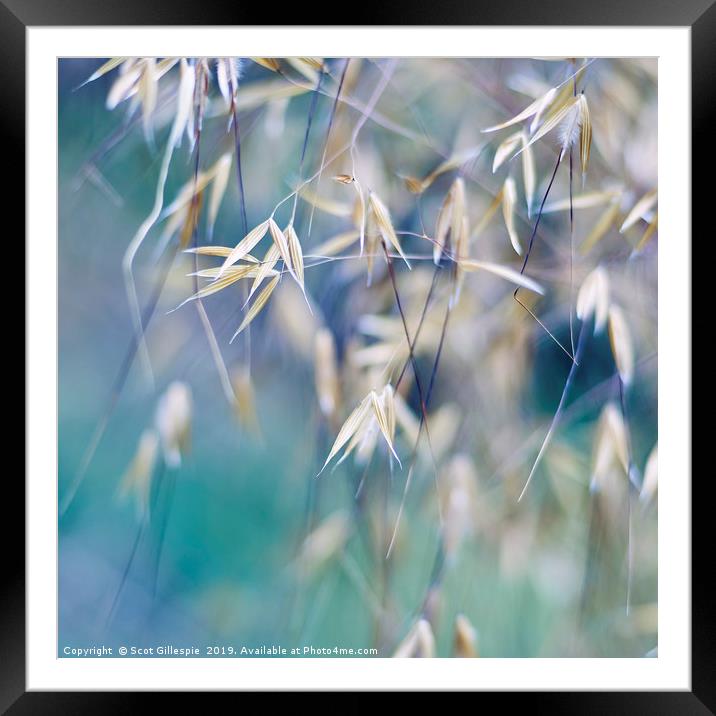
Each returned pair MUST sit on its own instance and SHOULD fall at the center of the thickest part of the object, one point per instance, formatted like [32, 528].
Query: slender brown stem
[328, 134]
[413, 362]
[424, 404]
[527, 258]
[423, 313]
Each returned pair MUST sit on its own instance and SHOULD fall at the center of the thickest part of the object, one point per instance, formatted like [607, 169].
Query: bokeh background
[546, 576]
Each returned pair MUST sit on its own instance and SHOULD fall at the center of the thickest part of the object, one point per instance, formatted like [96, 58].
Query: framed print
[354, 353]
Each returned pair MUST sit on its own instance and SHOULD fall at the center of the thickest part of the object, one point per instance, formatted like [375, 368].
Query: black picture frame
[699, 15]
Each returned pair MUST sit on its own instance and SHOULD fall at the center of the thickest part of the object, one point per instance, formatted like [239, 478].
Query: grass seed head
[173, 422]
[245, 399]
[621, 343]
[465, 638]
[639, 210]
[384, 225]
[593, 299]
[509, 200]
[137, 479]
[418, 643]
[610, 448]
[324, 543]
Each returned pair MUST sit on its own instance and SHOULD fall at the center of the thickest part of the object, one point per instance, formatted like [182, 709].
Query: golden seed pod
[465, 638]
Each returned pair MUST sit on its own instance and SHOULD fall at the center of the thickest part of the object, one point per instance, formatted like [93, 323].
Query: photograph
[357, 357]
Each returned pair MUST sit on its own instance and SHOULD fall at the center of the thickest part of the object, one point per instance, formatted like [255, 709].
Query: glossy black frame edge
[700, 15]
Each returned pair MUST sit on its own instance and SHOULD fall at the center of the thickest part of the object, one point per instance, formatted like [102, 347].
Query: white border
[671, 670]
